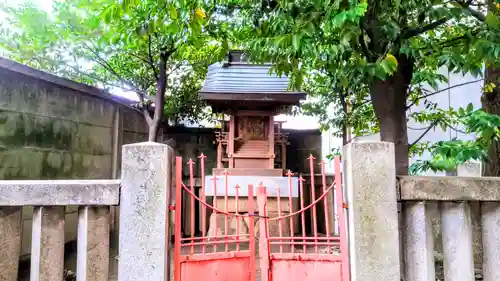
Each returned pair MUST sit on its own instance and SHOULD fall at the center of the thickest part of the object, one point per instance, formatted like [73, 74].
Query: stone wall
[53, 128]
[57, 129]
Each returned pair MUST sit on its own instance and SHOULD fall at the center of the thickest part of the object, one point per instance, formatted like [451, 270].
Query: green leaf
[296, 42]
[492, 20]
[461, 111]
[470, 107]
[173, 12]
[173, 28]
[309, 30]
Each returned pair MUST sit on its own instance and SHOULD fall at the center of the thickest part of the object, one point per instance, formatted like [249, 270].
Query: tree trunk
[491, 104]
[389, 103]
[345, 123]
[153, 131]
[161, 87]
[345, 141]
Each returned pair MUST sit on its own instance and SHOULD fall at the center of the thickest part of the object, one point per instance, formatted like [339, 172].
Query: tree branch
[150, 55]
[417, 31]
[103, 62]
[177, 67]
[364, 48]
[451, 42]
[360, 104]
[97, 78]
[143, 108]
[140, 93]
[425, 133]
[139, 57]
[443, 90]
[161, 88]
[146, 114]
[455, 129]
[345, 109]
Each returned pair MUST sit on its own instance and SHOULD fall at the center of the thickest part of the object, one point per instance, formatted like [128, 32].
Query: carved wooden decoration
[256, 127]
[251, 128]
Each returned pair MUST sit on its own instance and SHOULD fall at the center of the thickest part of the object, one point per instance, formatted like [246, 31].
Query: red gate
[228, 251]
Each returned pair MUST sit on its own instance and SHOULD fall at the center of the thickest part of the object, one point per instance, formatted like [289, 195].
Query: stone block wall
[302, 144]
[53, 128]
[51, 131]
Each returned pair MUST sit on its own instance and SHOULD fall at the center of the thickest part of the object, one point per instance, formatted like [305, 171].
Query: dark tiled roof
[245, 78]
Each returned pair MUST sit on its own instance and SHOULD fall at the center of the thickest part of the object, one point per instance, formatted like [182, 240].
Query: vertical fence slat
[457, 241]
[93, 244]
[490, 213]
[10, 242]
[47, 245]
[418, 242]
[263, 245]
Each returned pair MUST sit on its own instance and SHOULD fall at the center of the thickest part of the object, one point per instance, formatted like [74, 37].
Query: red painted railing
[237, 251]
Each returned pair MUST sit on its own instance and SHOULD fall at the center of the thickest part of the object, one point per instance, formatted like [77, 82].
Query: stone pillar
[93, 250]
[473, 169]
[144, 197]
[10, 231]
[370, 182]
[491, 240]
[457, 241]
[418, 242]
[47, 243]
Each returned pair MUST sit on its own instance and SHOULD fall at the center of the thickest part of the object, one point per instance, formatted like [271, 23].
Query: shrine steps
[254, 147]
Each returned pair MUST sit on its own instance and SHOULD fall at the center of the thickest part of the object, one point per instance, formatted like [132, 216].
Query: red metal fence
[285, 252]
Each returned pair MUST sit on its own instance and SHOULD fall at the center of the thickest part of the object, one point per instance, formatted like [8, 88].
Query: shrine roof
[240, 80]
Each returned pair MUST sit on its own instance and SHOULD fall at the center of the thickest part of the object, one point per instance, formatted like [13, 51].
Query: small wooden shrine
[251, 142]
[251, 146]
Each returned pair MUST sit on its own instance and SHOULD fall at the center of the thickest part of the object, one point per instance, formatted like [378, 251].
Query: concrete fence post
[456, 229]
[370, 183]
[144, 197]
[10, 247]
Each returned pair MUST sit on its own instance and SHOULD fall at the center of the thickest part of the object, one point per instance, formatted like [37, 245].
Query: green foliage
[338, 108]
[120, 44]
[296, 35]
[447, 155]
[340, 51]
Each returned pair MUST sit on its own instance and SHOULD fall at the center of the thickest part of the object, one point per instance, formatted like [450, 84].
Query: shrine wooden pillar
[219, 154]
[271, 142]
[230, 144]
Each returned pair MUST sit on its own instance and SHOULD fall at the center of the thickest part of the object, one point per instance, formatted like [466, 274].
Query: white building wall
[455, 97]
